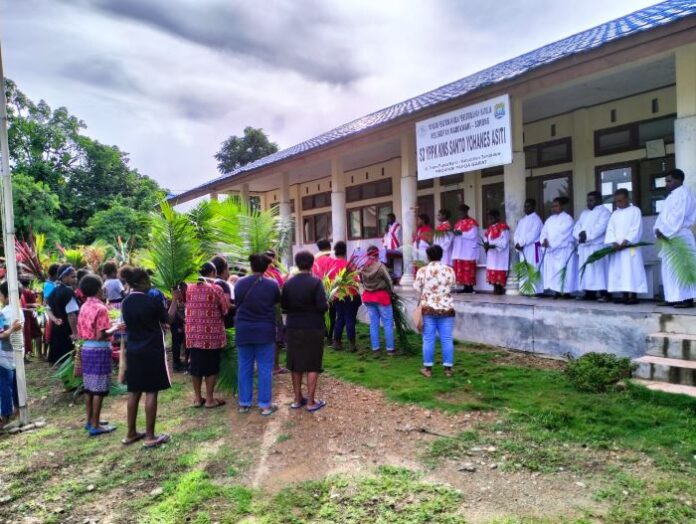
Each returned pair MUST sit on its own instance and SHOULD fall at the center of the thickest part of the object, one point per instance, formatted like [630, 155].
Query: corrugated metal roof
[645, 19]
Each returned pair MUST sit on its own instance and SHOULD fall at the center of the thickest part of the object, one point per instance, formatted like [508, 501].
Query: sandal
[95, 432]
[243, 410]
[265, 412]
[162, 439]
[426, 372]
[317, 406]
[218, 402]
[448, 371]
[133, 440]
[281, 371]
[295, 405]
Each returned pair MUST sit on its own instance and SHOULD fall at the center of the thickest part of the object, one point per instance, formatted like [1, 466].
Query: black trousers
[178, 343]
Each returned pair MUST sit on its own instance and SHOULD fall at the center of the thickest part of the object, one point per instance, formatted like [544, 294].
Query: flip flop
[162, 439]
[243, 410]
[265, 412]
[280, 371]
[101, 423]
[95, 432]
[295, 405]
[129, 441]
[199, 404]
[320, 404]
[218, 402]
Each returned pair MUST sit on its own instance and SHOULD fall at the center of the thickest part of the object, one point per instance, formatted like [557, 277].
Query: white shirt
[392, 238]
[528, 230]
[558, 230]
[679, 212]
[594, 223]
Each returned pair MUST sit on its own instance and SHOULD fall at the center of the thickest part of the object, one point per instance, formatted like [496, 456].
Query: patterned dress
[434, 282]
[92, 320]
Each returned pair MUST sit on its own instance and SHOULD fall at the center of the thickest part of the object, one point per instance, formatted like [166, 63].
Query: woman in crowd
[63, 308]
[423, 237]
[146, 361]
[434, 283]
[94, 328]
[303, 299]
[113, 287]
[376, 296]
[48, 288]
[256, 298]
[206, 307]
[8, 325]
[274, 274]
[180, 355]
[346, 309]
[32, 331]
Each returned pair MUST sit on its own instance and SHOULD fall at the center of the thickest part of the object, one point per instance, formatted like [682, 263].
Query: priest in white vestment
[526, 239]
[589, 233]
[676, 219]
[626, 269]
[390, 254]
[560, 268]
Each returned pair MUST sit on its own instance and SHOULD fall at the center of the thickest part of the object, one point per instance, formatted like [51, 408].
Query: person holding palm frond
[377, 284]
[528, 247]
[589, 232]
[626, 269]
[673, 225]
[444, 236]
[347, 307]
[559, 271]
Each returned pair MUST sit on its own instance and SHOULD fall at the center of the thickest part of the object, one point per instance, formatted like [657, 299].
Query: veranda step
[672, 345]
[661, 369]
[667, 387]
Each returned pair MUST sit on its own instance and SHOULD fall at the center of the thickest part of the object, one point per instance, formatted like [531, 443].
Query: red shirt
[465, 224]
[338, 265]
[206, 307]
[274, 274]
[92, 319]
[323, 264]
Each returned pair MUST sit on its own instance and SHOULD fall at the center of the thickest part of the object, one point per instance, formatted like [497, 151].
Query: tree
[236, 152]
[36, 208]
[118, 221]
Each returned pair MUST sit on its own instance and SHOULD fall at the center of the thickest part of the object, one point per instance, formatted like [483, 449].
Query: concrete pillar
[583, 154]
[214, 197]
[338, 200]
[409, 199]
[285, 212]
[685, 124]
[244, 194]
[514, 183]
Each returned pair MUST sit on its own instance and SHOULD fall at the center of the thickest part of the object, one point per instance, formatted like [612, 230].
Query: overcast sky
[169, 80]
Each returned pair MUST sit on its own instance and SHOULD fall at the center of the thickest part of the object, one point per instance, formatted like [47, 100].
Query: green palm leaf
[228, 376]
[680, 257]
[528, 276]
[605, 252]
[202, 219]
[401, 325]
[174, 250]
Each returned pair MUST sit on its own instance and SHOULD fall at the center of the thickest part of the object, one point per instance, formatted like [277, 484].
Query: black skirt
[60, 343]
[204, 362]
[146, 371]
[305, 349]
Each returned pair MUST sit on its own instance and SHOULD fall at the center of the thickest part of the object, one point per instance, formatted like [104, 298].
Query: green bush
[598, 372]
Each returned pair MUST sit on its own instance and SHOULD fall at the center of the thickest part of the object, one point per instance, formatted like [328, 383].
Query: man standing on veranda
[526, 239]
[675, 221]
[589, 232]
[626, 270]
[560, 260]
[465, 250]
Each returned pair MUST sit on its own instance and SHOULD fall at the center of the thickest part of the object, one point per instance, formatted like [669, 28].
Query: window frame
[313, 201]
[568, 141]
[379, 205]
[635, 173]
[313, 219]
[359, 189]
[633, 128]
[539, 193]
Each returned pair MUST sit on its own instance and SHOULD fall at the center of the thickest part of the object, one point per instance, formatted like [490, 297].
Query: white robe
[558, 230]
[527, 236]
[444, 240]
[626, 268]
[594, 224]
[676, 220]
[498, 256]
[466, 246]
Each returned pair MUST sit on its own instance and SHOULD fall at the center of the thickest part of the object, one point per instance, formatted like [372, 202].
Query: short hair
[323, 245]
[90, 285]
[110, 269]
[425, 218]
[434, 253]
[220, 264]
[531, 202]
[595, 194]
[340, 248]
[135, 277]
[562, 200]
[53, 270]
[463, 208]
[677, 173]
[494, 213]
[304, 260]
[389, 215]
[207, 268]
[259, 262]
[445, 213]
[621, 191]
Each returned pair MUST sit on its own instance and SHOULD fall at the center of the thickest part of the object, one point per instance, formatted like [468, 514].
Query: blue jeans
[263, 355]
[432, 328]
[386, 315]
[7, 377]
[346, 315]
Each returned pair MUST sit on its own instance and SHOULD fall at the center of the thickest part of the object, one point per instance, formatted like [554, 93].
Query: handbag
[77, 365]
[417, 316]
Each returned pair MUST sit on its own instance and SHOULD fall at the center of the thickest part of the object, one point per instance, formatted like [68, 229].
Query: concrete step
[672, 345]
[671, 370]
[667, 388]
[682, 322]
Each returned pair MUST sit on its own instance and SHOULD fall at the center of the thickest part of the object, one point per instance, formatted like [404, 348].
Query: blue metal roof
[643, 20]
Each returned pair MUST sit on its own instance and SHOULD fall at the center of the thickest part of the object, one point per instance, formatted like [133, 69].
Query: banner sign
[466, 139]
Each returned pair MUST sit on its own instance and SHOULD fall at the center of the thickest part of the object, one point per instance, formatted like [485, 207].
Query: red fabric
[323, 264]
[496, 277]
[380, 297]
[92, 319]
[393, 231]
[342, 263]
[206, 307]
[444, 226]
[465, 224]
[496, 230]
[274, 274]
[421, 231]
[465, 272]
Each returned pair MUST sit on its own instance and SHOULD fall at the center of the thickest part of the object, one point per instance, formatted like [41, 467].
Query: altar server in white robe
[444, 236]
[559, 245]
[496, 242]
[676, 219]
[526, 239]
[589, 233]
[626, 269]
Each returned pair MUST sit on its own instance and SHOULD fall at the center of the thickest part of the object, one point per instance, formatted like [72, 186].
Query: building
[613, 106]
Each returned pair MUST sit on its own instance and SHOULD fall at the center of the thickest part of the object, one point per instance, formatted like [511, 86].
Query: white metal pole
[10, 256]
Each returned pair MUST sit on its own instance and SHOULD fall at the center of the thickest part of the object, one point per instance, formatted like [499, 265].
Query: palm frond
[564, 269]
[527, 275]
[174, 251]
[74, 257]
[401, 324]
[605, 252]
[65, 372]
[680, 257]
[228, 376]
[202, 219]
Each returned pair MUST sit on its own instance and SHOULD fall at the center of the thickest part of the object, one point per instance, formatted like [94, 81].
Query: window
[549, 153]
[452, 179]
[426, 204]
[618, 176]
[375, 189]
[292, 205]
[425, 184]
[368, 221]
[651, 183]
[255, 203]
[633, 136]
[316, 201]
[544, 189]
[450, 200]
[494, 198]
[492, 171]
[316, 227]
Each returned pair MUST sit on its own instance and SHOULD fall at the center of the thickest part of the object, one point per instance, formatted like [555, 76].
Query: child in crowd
[7, 362]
